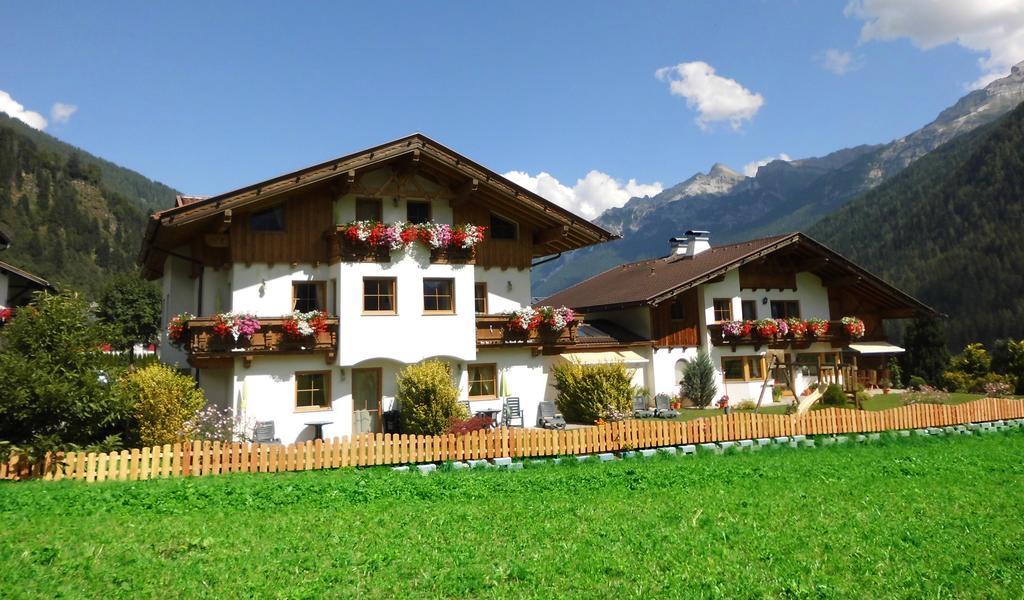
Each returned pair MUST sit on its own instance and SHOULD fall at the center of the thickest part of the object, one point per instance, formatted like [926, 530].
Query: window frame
[326, 389]
[477, 298]
[743, 313]
[714, 309]
[491, 229]
[427, 203]
[786, 304]
[493, 381]
[283, 220]
[677, 303]
[450, 296]
[747, 362]
[321, 293]
[394, 296]
[378, 205]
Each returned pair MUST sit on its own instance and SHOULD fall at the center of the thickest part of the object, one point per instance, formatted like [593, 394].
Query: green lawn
[910, 518]
[689, 414]
[884, 401]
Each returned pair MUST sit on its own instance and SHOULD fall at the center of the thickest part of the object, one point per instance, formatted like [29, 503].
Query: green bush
[427, 398]
[833, 396]
[587, 393]
[917, 382]
[862, 397]
[162, 401]
[699, 380]
[746, 404]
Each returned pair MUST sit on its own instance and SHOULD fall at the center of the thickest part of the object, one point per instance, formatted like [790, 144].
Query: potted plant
[797, 327]
[177, 329]
[240, 326]
[853, 327]
[735, 329]
[766, 328]
[817, 327]
[305, 326]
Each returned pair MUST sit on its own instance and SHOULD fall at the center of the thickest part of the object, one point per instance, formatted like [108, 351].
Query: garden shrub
[463, 426]
[587, 393]
[862, 397]
[917, 382]
[746, 404]
[163, 402]
[833, 396]
[427, 398]
[699, 380]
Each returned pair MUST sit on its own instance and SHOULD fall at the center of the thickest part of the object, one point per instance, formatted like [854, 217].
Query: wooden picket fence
[206, 458]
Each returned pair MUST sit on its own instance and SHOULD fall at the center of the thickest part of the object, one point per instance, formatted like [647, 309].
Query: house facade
[17, 285]
[739, 302]
[381, 255]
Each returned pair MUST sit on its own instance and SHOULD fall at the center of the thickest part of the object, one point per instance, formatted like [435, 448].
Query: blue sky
[208, 97]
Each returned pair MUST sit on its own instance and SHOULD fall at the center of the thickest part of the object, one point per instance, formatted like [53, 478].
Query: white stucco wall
[507, 289]
[4, 289]
[665, 378]
[811, 294]
[217, 294]
[179, 295]
[267, 290]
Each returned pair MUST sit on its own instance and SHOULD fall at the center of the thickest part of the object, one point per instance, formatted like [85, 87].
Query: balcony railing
[836, 335]
[492, 330]
[205, 346]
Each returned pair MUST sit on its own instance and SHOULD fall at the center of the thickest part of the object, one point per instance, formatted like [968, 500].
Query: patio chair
[512, 412]
[640, 409]
[548, 417]
[263, 433]
[662, 407]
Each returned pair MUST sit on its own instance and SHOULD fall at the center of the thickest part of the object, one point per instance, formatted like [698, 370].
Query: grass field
[904, 518]
[884, 401]
[689, 414]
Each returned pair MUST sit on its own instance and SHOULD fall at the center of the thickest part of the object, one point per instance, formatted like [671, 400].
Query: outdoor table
[318, 426]
[492, 413]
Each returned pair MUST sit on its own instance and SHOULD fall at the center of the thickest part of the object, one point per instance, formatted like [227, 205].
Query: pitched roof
[652, 281]
[34, 281]
[643, 281]
[573, 231]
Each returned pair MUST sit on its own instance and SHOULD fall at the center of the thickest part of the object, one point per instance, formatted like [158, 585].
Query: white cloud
[716, 98]
[61, 113]
[992, 27]
[14, 109]
[591, 195]
[839, 61]
[750, 169]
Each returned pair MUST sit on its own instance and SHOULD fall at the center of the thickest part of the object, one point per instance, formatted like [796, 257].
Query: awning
[875, 348]
[594, 358]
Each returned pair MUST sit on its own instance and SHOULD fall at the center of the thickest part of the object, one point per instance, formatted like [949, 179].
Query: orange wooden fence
[211, 458]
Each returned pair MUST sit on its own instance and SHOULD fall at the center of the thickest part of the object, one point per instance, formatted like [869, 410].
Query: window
[480, 298]
[309, 295]
[482, 381]
[785, 309]
[439, 295]
[743, 368]
[503, 229]
[271, 219]
[417, 211]
[676, 311]
[369, 209]
[313, 391]
[749, 309]
[723, 309]
[379, 295]
[733, 368]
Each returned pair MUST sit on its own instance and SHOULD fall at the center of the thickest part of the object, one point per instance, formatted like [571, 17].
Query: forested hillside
[69, 224]
[948, 229]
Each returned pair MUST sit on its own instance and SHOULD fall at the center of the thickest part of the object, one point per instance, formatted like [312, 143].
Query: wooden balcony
[207, 349]
[836, 336]
[339, 248]
[491, 331]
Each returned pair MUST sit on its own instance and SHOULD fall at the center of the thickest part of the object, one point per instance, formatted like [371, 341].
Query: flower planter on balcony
[207, 349]
[493, 330]
[453, 256]
[837, 336]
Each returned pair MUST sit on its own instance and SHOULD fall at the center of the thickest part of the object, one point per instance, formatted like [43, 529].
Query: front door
[366, 400]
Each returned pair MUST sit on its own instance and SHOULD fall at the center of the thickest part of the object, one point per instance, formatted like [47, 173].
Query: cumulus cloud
[61, 113]
[992, 27]
[15, 109]
[591, 195]
[750, 169]
[838, 61]
[715, 98]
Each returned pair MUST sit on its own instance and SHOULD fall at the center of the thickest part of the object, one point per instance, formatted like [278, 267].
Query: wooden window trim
[430, 208]
[746, 360]
[799, 309]
[284, 221]
[714, 309]
[379, 202]
[327, 393]
[494, 381]
[678, 301]
[321, 292]
[451, 280]
[394, 298]
[504, 218]
[476, 288]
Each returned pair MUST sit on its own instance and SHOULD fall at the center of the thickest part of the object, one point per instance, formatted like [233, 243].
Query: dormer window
[417, 211]
[503, 229]
[271, 219]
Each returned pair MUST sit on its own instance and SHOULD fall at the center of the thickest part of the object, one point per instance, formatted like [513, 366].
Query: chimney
[691, 244]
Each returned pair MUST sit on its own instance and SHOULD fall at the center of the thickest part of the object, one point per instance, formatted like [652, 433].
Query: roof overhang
[604, 357]
[563, 230]
[875, 348]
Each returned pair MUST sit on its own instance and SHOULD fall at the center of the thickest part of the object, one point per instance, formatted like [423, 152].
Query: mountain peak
[721, 170]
